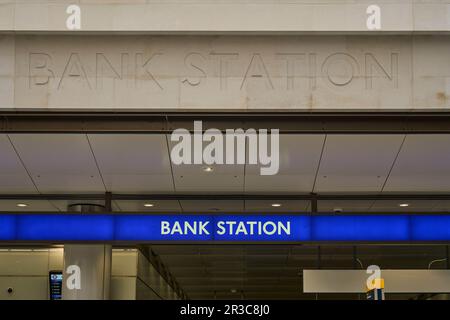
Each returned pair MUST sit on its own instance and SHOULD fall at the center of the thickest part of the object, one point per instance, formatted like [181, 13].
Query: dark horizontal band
[323, 122]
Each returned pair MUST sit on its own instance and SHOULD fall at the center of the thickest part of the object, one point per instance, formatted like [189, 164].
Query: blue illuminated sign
[224, 228]
[361, 228]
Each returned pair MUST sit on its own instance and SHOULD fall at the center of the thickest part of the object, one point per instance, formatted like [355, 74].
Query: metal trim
[237, 196]
[163, 122]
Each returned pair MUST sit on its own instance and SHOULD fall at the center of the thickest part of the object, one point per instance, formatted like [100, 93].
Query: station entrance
[345, 198]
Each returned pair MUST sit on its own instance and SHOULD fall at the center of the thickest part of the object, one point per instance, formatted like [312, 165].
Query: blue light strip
[223, 228]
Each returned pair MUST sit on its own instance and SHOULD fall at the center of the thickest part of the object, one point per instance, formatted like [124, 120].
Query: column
[94, 262]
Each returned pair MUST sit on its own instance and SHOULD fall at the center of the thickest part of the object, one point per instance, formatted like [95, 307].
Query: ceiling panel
[422, 165]
[266, 206]
[164, 206]
[194, 178]
[443, 206]
[223, 178]
[299, 158]
[212, 206]
[356, 163]
[344, 205]
[31, 205]
[394, 205]
[13, 176]
[140, 163]
[136, 163]
[59, 163]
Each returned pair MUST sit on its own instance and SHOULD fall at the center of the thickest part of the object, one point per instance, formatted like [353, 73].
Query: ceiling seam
[116, 203]
[96, 162]
[371, 205]
[28, 172]
[23, 164]
[171, 171]
[393, 163]
[320, 161]
[389, 172]
[55, 206]
[244, 182]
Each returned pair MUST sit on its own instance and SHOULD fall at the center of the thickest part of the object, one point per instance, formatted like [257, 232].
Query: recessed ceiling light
[276, 204]
[21, 205]
[404, 204]
[233, 290]
[148, 205]
[207, 169]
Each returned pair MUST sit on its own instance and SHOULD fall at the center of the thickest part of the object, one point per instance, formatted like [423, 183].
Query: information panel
[55, 284]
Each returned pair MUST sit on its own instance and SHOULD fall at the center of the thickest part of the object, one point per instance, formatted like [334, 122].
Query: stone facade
[223, 54]
[225, 72]
[213, 16]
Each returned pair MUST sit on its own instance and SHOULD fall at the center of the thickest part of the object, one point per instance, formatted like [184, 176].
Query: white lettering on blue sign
[185, 228]
[227, 228]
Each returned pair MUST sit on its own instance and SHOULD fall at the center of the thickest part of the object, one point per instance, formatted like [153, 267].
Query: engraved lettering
[224, 62]
[299, 70]
[142, 68]
[291, 59]
[74, 69]
[102, 65]
[340, 69]
[371, 62]
[257, 69]
[39, 72]
[192, 61]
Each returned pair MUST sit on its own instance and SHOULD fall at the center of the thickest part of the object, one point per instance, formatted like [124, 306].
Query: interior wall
[26, 272]
[150, 284]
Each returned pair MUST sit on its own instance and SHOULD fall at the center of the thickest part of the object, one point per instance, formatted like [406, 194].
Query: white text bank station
[225, 227]
[231, 228]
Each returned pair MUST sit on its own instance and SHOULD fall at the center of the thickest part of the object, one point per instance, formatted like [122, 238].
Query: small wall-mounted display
[55, 284]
